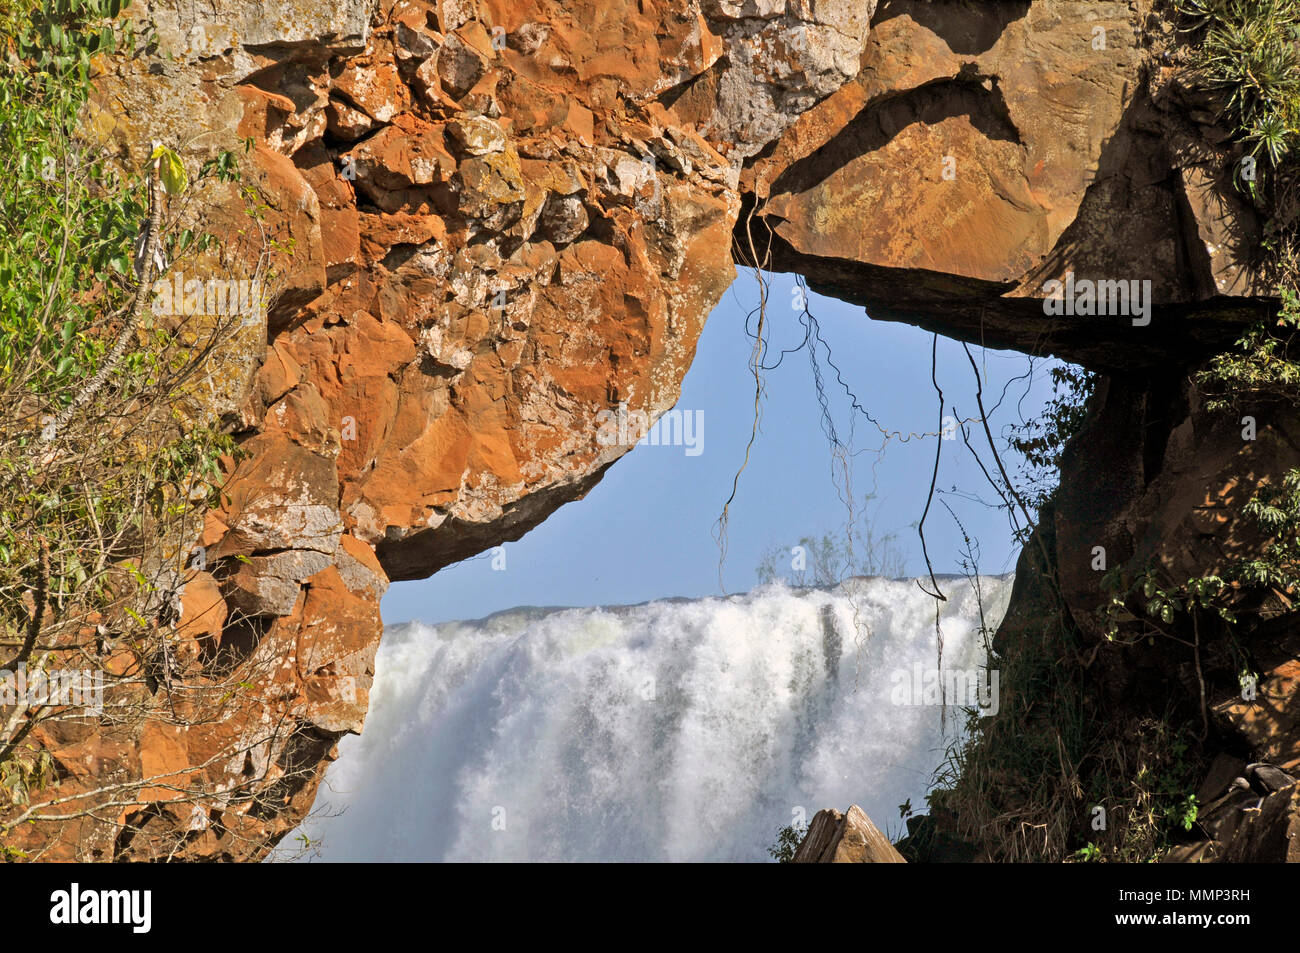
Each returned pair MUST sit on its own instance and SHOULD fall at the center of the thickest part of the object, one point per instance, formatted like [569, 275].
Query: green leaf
[172, 170]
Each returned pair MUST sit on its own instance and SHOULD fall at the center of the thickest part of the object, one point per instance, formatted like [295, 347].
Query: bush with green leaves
[1259, 370]
[788, 840]
[1248, 51]
[1276, 510]
[103, 479]
[1041, 440]
[1024, 785]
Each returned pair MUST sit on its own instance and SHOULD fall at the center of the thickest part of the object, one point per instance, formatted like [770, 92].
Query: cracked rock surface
[491, 220]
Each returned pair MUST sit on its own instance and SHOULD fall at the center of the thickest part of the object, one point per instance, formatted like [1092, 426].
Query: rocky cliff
[486, 222]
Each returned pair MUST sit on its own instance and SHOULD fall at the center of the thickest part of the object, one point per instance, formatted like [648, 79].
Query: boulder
[849, 838]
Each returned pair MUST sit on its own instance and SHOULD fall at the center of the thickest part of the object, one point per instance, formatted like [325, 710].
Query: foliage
[788, 840]
[1023, 784]
[23, 773]
[1259, 369]
[68, 230]
[1276, 510]
[1245, 53]
[1026, 784]
[1169, 607]
[1162, 603]
[1041, 440]
[1248, 52]
[1011, 781]
[1088, 853]
[104, 474]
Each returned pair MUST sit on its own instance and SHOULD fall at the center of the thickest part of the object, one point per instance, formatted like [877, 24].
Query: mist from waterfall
[676, 730]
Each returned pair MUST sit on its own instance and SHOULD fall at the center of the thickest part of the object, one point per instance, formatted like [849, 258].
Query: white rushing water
[678, 730]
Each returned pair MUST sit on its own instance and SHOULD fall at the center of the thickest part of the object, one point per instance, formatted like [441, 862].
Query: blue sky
[646, 531]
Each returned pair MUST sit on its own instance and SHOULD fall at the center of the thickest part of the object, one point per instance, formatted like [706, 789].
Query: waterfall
[675, 730]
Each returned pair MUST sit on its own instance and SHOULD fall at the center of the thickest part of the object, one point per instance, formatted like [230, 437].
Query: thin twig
[934, 477]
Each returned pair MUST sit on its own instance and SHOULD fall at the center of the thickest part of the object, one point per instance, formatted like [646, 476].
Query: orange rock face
[487, 223]
[983, 152]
